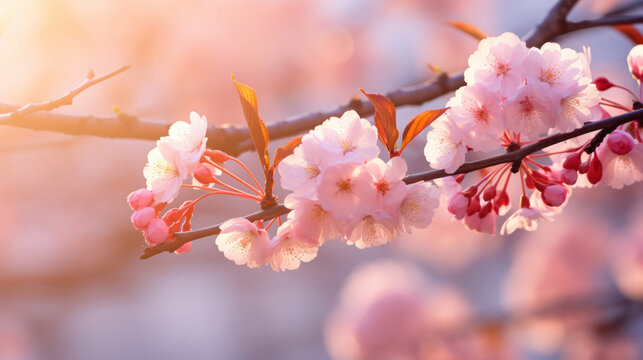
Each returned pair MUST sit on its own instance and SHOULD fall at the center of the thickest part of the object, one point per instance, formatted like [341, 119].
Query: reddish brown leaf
[419, 123]
[285, 150]
[468, 29]
[384, 120]
[187, 225]
[256, 126]
[631, 33]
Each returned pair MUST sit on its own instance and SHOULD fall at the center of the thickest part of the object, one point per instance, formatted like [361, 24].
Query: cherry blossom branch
[66, 99]
[235, 140]
[512, 157]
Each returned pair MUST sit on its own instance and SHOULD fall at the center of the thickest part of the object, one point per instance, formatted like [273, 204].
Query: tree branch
[66, 99]
[236, 140]
[511, 157]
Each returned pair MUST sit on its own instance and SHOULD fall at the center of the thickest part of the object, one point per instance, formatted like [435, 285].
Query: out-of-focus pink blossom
[243, 242]
[627, 263]
[635, 62]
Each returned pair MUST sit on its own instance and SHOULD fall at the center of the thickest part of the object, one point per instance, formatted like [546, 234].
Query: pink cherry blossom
[445, 147]
[243, 242]
[477, 111]
[164, 172]
[527, 112]
[140, 198]
[300, 171]
[189, 139]
[351, 136]
[635, 62]
[387, 179]
[553, 70]
[310, 222]
[496, 65]
[346, 191]
[526, 218]
[374, 229]
[482, 222]
[141, 218]
[579, 107]
[448, 185]
[419, 206]
[286, 251]
[621, 170]
[156, 232]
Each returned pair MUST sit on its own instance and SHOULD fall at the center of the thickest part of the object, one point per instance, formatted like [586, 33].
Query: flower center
[344, 186]
[526, 106]
[382, 187]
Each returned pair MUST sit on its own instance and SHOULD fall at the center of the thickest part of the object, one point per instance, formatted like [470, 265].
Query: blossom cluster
[513, 92]
[175, 158]
[514, 95]
[340, 189]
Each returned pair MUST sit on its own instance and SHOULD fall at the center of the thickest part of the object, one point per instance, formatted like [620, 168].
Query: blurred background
[71, 283]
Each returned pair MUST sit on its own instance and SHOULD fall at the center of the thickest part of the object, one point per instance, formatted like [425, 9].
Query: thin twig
[66, 99]
[511, 157]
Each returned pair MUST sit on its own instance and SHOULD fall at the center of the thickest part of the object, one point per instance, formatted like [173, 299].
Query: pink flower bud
[524, 202]
[554, 195]
[569, 176]
[635, 62]
[602, 83]
[204, 175]
[572, 161]
[620, 142]
[142, 217]
[486, 209]
[474, 206]
[595, 171]
[156, 232]
[140, 198]
[584, 167]
[458, 205]
[471, 191]
[217, 156]
[489, 193]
